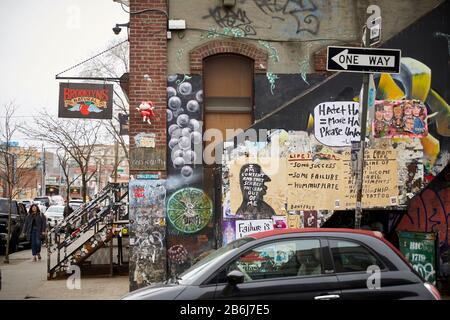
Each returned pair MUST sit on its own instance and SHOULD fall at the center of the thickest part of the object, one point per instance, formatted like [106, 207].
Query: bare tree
[113, 63]
[64, 162]
[16, 165]
[77, 137]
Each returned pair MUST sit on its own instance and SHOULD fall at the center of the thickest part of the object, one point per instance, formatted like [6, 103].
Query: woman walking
[35, 228]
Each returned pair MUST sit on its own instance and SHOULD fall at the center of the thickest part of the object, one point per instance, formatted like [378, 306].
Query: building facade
[209, 67]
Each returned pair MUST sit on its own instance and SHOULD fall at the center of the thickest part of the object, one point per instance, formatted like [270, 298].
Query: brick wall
[148, 55]
[197, 55]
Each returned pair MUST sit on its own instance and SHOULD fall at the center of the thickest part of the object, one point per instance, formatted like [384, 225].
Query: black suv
[17, 221]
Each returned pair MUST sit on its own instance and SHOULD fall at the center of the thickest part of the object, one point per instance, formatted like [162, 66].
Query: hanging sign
[85, 100]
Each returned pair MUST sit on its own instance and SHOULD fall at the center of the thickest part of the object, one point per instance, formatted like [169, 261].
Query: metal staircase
[87, 229]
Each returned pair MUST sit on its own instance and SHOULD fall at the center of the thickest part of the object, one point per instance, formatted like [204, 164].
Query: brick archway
[210, 48]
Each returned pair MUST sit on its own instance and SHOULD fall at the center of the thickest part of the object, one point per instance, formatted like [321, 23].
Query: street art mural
[190, 220]
[184, 125]
[147, 232]
[252, 182]
[429, 211]
[189, 210]
[422, 153]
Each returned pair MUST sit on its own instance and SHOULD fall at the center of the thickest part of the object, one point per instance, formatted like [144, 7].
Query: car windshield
[55, 210]
[191, 274]
[4, 207]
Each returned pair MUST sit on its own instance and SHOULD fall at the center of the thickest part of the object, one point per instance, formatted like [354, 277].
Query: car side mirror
[235, 277]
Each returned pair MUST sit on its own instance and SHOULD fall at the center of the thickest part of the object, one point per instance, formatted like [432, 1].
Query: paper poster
[400, 118]
[257, 188]
[228, 231]
[310, 219]
[247, 227]
[315, 181]
[279, 222]
[294, 221]
[380, 186]
[336, 123]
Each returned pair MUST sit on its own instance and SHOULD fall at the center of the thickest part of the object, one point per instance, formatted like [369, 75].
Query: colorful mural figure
[400, 119]
[252, 182]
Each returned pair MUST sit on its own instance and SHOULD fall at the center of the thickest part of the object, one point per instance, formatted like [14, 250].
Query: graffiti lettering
[304, 12]
[426, 271]
[230, 18]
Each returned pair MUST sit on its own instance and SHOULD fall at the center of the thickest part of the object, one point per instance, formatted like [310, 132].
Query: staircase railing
[86, 229]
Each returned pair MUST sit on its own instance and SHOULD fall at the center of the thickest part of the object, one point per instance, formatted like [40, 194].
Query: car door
[283, 269]
[363, 275]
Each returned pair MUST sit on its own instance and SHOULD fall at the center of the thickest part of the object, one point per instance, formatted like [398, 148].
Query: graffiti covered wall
[429, 211]
[189, 204]
[299, 28]
[147, 232]
[423, 78]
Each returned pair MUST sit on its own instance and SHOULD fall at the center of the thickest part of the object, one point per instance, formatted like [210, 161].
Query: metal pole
[363, 122]
[116, 160]
[43, 171]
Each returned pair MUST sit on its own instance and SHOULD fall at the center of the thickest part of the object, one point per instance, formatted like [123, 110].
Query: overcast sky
[41, 38]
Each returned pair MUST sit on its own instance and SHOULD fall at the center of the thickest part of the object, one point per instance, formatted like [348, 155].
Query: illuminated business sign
[85, 100]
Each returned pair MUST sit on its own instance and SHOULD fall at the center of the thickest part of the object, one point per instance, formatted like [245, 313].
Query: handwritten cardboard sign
[314, 184]
[327, 182]
[246, 227]
[336, 123]
[380, 187]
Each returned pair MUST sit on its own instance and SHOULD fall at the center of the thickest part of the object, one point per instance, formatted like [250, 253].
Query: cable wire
[99, 54]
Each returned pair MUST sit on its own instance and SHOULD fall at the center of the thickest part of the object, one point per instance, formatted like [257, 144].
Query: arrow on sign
[344, 59]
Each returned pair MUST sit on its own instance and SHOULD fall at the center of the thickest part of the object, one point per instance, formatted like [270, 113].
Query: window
[228, 84]
[279, 259]
[349, 256]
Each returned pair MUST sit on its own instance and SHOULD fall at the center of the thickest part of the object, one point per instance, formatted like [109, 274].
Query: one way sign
[350, 59]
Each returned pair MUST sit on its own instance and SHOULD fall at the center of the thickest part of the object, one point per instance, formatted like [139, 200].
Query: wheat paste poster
[380, 187]
[400, 118]
[314, 181]
[336, 124]
[258, 187]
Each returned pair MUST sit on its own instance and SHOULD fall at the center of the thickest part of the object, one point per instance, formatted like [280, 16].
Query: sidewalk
[24, 279]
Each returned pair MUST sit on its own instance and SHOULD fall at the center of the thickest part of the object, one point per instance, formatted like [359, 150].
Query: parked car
[54, 214]
[315, 264]
[76, 203]
[18, 215]
[27, 203]
[56, 200]
[45, 200]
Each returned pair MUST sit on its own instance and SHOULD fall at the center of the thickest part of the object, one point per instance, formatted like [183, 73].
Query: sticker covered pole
[363, 122]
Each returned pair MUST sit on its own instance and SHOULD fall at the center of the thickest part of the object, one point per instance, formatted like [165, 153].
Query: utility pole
[364, 108]
[43, 171]
[116, 159]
